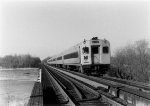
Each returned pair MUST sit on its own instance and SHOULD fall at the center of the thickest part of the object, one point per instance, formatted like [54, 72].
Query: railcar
[90, 57]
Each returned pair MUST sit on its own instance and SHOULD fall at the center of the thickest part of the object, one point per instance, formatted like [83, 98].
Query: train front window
[105, 49]
[85, 50]
[95, 49]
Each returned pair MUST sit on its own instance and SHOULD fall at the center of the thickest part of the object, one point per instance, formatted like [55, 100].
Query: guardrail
[59, 92]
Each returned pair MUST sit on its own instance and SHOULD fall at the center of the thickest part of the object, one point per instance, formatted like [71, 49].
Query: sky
[47, 27]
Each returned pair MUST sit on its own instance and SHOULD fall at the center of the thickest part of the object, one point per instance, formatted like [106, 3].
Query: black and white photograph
[74, 52]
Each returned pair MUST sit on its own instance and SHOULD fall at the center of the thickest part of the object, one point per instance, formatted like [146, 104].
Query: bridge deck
[36, 98]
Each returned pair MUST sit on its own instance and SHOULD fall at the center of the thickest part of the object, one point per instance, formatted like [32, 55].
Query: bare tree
[133, 61]
[143, 59]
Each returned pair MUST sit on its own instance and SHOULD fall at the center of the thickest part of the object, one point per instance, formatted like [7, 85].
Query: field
[16, 86]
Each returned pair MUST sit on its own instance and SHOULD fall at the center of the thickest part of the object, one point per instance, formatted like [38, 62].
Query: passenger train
[89, 57]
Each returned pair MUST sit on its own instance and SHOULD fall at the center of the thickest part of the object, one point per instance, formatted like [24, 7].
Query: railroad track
[105, 96]
[117, 91]
[79, 93]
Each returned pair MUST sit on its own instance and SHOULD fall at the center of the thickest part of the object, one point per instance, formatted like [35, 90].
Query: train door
[95, 54]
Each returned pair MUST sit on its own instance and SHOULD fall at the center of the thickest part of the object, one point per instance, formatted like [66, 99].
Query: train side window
[105, 49]
[85, 50]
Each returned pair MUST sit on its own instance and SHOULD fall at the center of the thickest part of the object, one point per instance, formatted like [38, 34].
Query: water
[16, 86]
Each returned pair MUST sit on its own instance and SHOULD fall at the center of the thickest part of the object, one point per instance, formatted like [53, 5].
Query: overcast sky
[44, 28]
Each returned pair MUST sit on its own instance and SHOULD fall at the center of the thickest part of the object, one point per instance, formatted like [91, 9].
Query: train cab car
[95, 55]
[89, 56]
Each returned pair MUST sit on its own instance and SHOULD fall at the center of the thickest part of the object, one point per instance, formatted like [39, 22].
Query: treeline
[132, 62]
[19, 61]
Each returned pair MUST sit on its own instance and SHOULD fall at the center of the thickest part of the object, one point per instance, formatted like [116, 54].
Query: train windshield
[95, 49]
[85, 50]
[105, 49]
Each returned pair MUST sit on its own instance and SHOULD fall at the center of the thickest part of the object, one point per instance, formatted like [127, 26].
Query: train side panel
[71, 56]
[59, 59]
